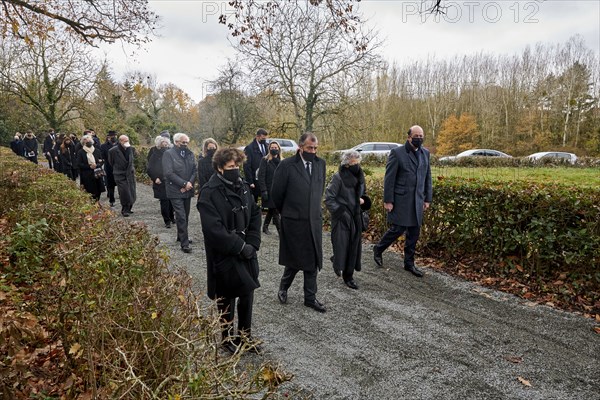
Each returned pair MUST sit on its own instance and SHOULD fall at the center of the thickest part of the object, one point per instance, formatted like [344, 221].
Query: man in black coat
[120, 157]
[297, 189]
[407, 193]
[179, 169]
[17, 145]
[111, 141]
[255, 151]
[48, 149]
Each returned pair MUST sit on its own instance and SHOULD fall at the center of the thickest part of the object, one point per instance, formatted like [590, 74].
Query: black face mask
[308, 156]
[89, 144]
[417, 142]
[355, 169]
[274, 152]
[113, 140]
[210, 153]
[232, 175]
[264, 141]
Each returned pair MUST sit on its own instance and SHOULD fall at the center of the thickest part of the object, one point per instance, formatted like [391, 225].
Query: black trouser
[310, 282]
[182, 213]
[274, 215]
[166, 210]
[50, 160]
[110, 187]
[410, 242]
[244, 308]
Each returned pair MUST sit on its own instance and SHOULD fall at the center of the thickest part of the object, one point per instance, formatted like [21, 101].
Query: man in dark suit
[255, 151]
[298, 185]
[120, 158]
[48, 149]
[111, 141]
[407, 193]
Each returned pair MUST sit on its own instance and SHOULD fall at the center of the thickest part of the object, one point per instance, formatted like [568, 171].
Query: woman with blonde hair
[267, 168]
[205, 167]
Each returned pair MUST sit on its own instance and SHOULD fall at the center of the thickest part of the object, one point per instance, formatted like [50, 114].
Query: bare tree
[92, 21]
[302, 53]
[54, 77]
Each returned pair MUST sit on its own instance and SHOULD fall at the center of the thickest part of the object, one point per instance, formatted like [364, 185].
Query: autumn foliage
[458, 134]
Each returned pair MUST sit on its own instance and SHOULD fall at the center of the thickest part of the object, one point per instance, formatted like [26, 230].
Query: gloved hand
[248, 252]
[265, 196]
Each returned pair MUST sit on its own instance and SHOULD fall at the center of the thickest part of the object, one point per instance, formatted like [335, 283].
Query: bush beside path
[400, 337]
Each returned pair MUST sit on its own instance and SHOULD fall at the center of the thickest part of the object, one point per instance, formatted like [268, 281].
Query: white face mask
[126, 144]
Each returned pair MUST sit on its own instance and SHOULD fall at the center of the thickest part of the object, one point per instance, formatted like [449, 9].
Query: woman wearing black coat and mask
[231, 227]
[205, 167]
[67, 158]
[89, 159]
[344, 198]
[267, 168]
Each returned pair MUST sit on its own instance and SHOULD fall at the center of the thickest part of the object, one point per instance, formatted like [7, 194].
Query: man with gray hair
[298, 185]
[179, 169]
[407, 193]
[120, 158]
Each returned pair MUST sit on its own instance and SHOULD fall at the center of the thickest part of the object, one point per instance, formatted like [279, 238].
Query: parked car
[286, 145]
[380, 149]
[476, 153]
[553, 155]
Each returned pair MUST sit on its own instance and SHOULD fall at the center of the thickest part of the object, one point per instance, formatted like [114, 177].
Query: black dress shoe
[252, 345]
[315, 305]
[282, 296]
[337, 271]
[125, 214]
[414, 270]
[230, 346]
[168, 225]
[186, 249]
[351, 284]
[377, 257]
[266, 230]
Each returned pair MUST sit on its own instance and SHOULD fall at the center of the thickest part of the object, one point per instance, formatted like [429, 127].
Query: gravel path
[400, 337]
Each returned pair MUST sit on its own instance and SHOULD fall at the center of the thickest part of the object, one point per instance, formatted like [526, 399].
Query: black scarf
[351, 180]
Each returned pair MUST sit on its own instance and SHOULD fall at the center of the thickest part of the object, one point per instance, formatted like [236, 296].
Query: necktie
[308, 167]
[262, 149]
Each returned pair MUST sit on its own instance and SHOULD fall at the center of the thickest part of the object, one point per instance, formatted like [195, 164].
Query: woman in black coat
[267, 168]
[155, 172]
[205, 168]
[231, 227]
[343, 198]
[88, 159]
[67, 158]
[30, 147]
[17, 145]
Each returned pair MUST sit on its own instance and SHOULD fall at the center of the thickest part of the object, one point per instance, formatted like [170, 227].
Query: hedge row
[88, 307]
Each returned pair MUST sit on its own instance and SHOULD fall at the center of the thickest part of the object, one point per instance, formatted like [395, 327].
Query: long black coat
[68, 161]
[178, 171]
[253, 157]
[155, 170]
[123, 172]
[407, 184]
[265, 179]
[221, 241]
[30, 148]
[205, 170]
[86, 174]
[104, 148]
[298, 199]
[342, 199]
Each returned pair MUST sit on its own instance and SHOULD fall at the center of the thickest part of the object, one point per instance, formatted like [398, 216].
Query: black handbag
[98, 173]
[236, 276]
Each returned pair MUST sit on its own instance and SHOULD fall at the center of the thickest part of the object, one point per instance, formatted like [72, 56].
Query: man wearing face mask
[298, 185]
[179, 168]
[407, 193]
[255, 151]
[111, 141]
[120, 157]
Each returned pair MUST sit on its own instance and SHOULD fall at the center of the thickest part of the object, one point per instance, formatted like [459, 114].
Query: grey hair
[350, 155]
[177, 137]
[307, 137]
[85, 138]
[159, 140]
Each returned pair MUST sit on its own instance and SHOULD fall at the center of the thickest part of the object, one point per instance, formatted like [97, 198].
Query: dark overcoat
[155, 170]
[17, 147]
[297, 197]
[218, 205]
[68, 161]
[205, 170]
[91, 184]
[342, 199]
[265, 179]
[104, 148]
[253, 157]
[30, 148]
[407, 184]
[123, 172]
[178, 171]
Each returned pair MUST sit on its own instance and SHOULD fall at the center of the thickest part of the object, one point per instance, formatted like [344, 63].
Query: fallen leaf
[154, 315]
[524, 381]
[514, 359]
[75, 348]
[597, 329]
[597, 317]
[519, 268]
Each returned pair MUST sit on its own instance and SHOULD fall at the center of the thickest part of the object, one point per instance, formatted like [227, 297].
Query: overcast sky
[191, 45]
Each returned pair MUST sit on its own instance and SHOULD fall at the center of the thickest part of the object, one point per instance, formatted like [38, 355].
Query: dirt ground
[401, 337]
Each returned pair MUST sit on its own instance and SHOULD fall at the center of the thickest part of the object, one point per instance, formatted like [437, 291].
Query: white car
[553, 155]
[476, 153]
[287, 145]
[380, 149]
